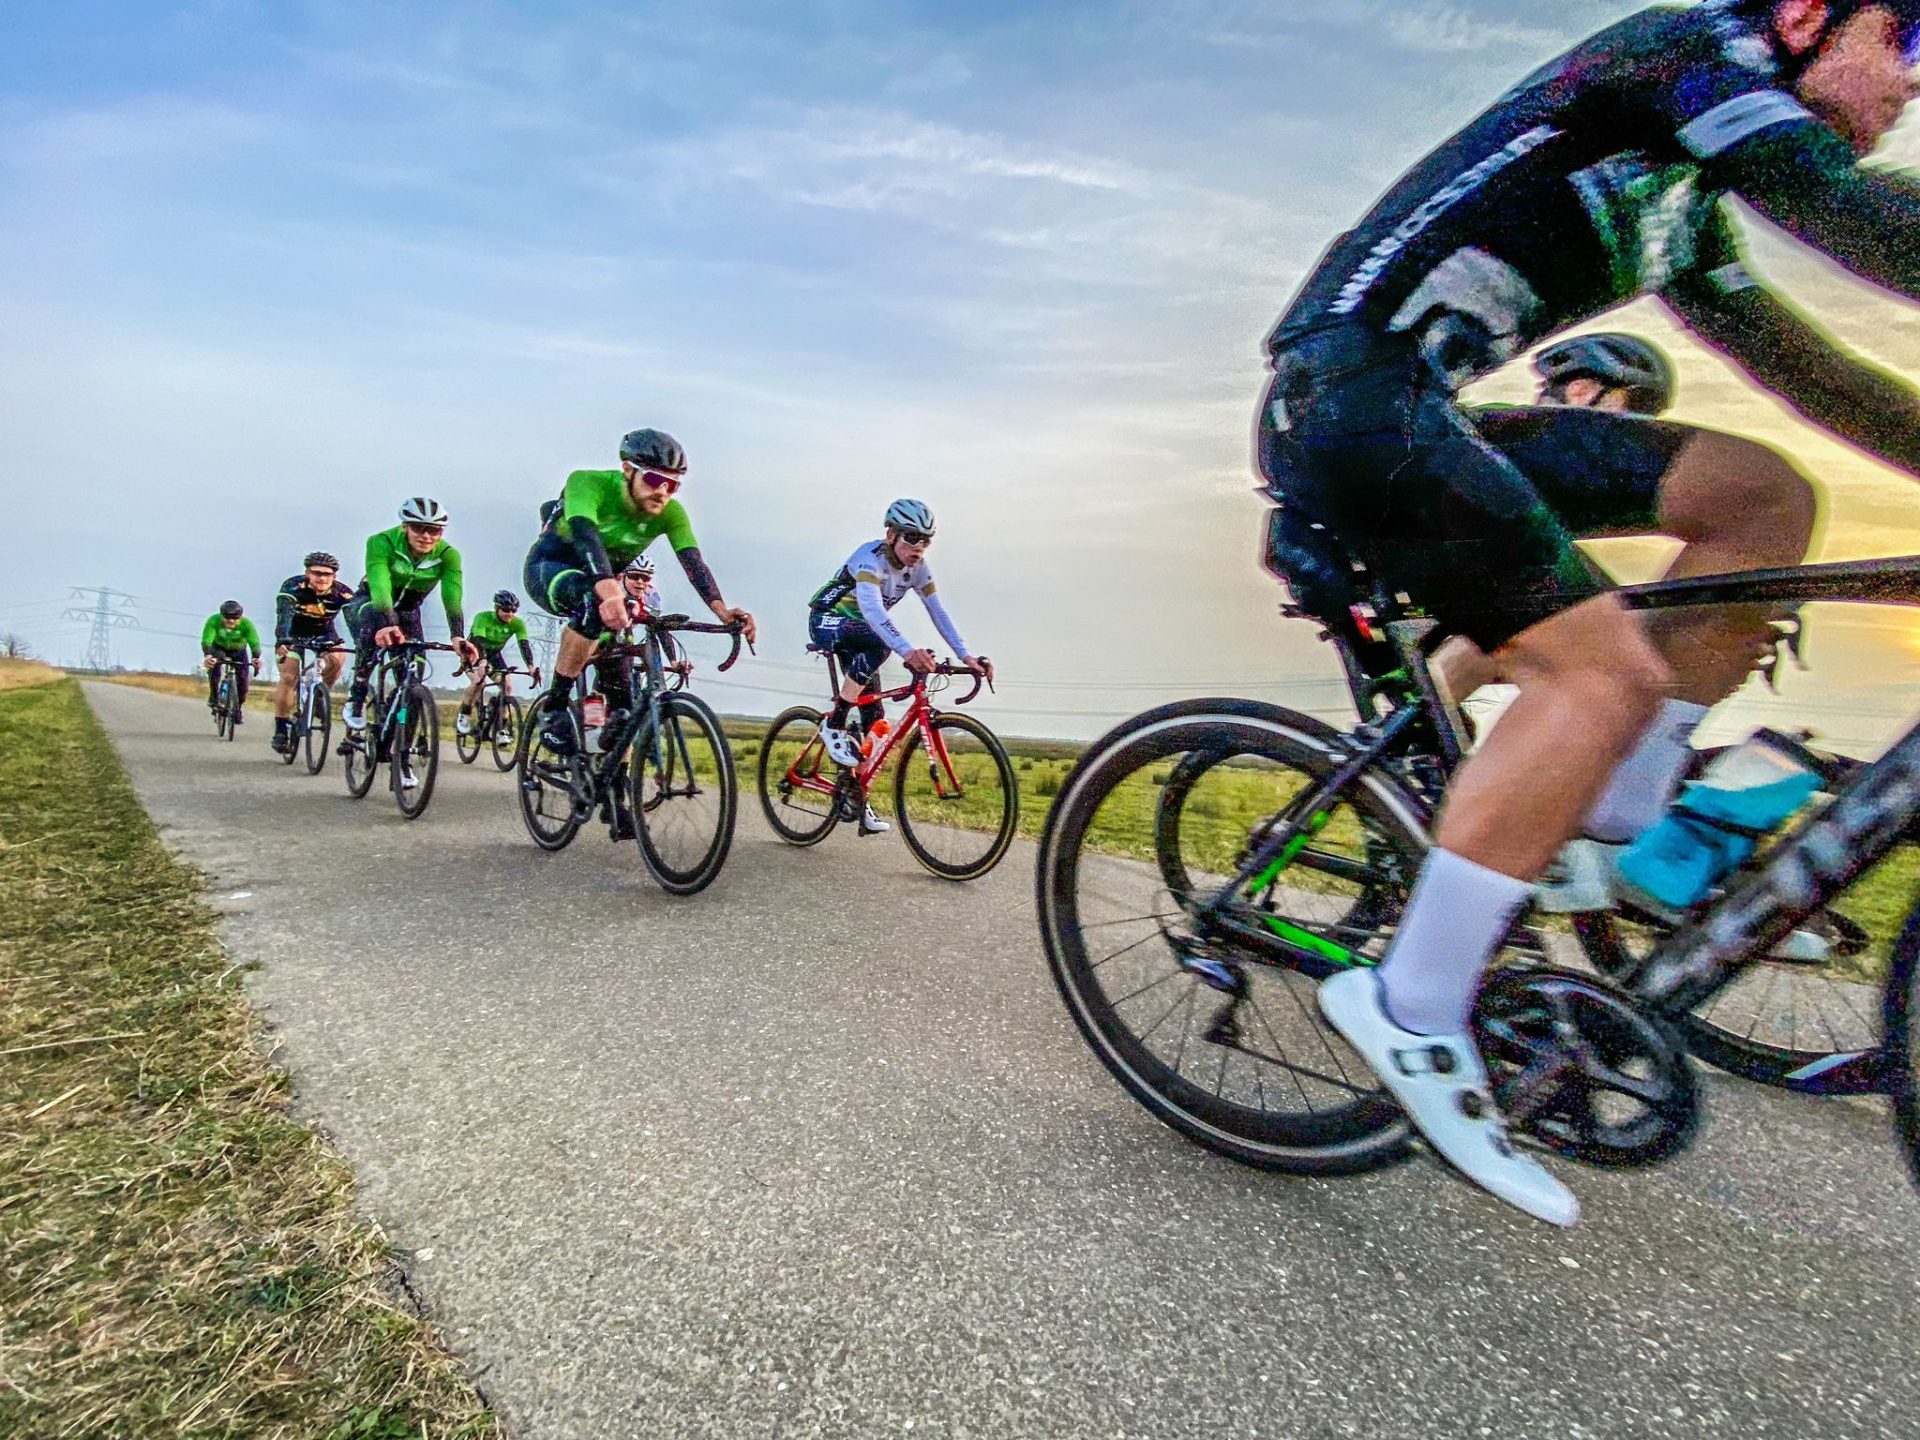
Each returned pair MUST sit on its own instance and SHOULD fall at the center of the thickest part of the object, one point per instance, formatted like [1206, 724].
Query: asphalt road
[819, 1153]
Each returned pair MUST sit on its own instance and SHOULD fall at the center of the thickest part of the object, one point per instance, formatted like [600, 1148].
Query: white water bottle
[593, 715]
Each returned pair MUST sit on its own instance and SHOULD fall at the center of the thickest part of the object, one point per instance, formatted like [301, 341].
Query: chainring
[1582, 1070]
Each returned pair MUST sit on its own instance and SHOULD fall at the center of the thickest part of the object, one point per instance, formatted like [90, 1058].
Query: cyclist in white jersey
[848, 619]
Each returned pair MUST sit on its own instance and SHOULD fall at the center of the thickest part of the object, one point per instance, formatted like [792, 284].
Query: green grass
[178, 1256]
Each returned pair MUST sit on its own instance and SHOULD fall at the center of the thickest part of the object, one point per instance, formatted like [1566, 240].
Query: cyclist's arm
[283, 617]
[873, 610]
[1794, 359]
[943, 622]
[453, 592]
[686, 550]
[519, 628]
[380, 582]
[209, 632]
[250, 633]
[1805, 179]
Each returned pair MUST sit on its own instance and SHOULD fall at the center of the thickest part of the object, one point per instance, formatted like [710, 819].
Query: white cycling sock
[1457, 916]
[1637, 793]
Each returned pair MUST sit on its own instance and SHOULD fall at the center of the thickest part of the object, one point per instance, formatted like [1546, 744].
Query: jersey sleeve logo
[1732, 121]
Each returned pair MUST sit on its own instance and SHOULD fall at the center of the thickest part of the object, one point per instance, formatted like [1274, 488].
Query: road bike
[1281, 850]
[226, 702]
[495, 722]
[954, 792]
[312, 708]
[402, 729]
[665, 761]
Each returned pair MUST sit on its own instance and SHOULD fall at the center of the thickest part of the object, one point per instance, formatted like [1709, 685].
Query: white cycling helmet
[910, 515]
[422, 511]
[640, 566]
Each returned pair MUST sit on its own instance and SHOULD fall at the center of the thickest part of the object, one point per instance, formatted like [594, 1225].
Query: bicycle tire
[796, 824]
[920, 833]
[1742, 1029]
[1361, 1129]
[510, 721]
[658, 778]
[360, 755]
[292, 752]
[416, 741]
[319, 726]
[1901, 1055]
[223, 722]
[467, 746]
[542, 774]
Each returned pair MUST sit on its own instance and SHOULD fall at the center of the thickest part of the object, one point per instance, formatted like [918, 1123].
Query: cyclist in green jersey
[492, 629]
[404, 566]
[603, 520]
[229, 635]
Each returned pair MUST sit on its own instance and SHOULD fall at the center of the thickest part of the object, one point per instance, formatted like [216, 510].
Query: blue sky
[266, 269]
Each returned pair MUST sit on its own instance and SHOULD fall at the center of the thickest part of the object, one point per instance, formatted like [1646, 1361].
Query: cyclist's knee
[1598, 651]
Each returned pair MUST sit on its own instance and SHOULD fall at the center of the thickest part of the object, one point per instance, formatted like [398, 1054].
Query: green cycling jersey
[397, 579]
[491, 634]
[230, 637]
[600, 499]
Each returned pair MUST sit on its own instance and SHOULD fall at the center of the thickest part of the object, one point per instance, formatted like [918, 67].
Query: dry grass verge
[177, 1255]
[18, 674]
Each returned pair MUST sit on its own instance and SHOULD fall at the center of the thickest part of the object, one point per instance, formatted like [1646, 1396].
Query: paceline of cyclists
[1603, 176]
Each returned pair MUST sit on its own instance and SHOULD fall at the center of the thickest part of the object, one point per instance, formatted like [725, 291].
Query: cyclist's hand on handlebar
[469, 652]
[729, 615]
[536, 675]
[388, 636]
[280, 652]
[207, 662]
[921, 662]
[613, 604]
[981, 666]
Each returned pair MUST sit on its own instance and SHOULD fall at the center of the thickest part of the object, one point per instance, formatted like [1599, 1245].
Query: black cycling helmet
[1619, 362]
[505, 600]
[322, 559]
[653, 450]
[231, 610]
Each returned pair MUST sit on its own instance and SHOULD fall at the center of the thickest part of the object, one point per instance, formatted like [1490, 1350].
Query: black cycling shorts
[560, 585]
[1473, 516]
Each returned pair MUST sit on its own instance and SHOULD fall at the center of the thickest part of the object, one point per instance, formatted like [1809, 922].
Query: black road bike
[665, 761]
[226, 698]
[1283, 850]
[312, 708]
[402, 730]
[495, 721]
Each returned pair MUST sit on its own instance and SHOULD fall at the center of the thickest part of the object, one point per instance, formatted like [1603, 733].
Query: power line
[110, 612]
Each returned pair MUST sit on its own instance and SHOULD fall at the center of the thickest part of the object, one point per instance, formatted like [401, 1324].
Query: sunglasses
[657, 479]
[419, 529]
[915, 537]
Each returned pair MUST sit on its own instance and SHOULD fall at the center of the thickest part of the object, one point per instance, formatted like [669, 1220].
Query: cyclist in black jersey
[1599, 178]
[304, 611]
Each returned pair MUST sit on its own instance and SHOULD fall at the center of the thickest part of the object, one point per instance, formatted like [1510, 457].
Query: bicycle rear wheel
[416, 751]
[793, 761]
[319, 728]
[508, 721]
[955, 797]
[684, 795]
[545, 785]
[1901, 1058]
[1258, 1077]
[467, 746]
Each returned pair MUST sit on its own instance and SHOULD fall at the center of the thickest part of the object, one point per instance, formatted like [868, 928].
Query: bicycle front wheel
[416, 751]
[797, 779]
[546, 785]
[1151, 980]
[360, 754]
[467, 746]
[955, 797]
[684, 795]
[504, 736]
[319, 729]
[1901, 1057]
[225, 722]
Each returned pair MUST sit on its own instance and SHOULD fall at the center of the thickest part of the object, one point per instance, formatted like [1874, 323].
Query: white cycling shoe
[463, 724]
[842, 748]
[1441, 1083]
[872, 824]
[354, 717]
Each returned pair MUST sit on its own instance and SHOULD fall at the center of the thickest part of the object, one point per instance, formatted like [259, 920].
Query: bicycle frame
[919, 717]
[1872, 810]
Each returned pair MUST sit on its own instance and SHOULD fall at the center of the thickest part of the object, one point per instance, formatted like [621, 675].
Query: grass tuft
[178, 1256]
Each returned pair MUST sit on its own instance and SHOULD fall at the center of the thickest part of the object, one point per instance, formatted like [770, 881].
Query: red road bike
[954, 794]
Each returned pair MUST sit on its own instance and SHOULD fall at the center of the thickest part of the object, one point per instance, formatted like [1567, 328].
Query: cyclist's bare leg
[332, 664]
[575, 650]
[1590, 683]
[283, 692]
[1737, 505]
[479, 672]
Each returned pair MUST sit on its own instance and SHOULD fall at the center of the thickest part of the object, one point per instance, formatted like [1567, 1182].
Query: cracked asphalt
[818, 1152]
